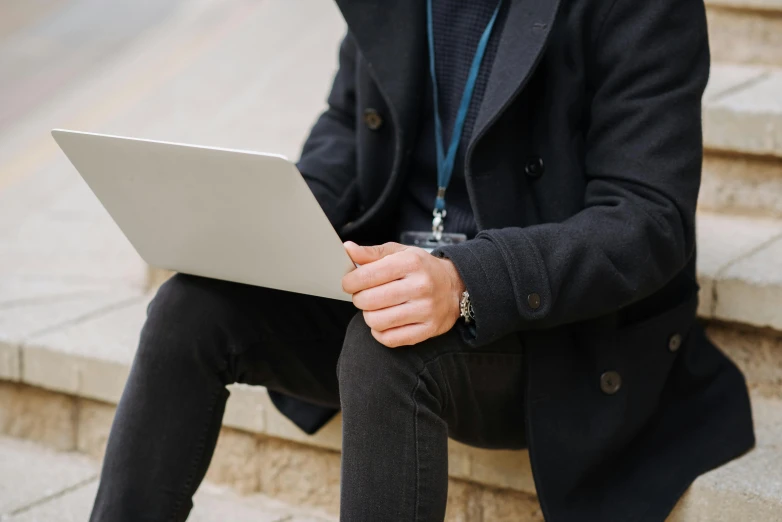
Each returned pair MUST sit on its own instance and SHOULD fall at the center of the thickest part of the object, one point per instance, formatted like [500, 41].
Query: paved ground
[249, 74]
[40, 485]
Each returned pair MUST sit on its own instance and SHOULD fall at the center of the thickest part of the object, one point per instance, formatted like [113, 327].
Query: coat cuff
[485, 274]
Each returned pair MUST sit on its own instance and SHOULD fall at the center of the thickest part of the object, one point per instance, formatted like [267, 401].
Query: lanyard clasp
[438, 223]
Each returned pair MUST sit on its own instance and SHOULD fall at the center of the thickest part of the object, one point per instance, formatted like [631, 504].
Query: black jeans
[399, 405]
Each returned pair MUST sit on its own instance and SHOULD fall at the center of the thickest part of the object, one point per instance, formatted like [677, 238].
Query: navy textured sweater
[458, 26]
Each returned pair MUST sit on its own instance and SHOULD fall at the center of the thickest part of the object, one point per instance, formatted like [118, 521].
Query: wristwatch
[465, 308]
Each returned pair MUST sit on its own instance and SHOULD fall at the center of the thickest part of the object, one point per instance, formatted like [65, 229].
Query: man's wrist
[458, 287]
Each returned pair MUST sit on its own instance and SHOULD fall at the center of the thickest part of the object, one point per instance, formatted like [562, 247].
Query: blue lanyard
[445, 161]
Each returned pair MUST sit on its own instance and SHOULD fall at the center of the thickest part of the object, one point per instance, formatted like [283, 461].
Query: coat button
[675, 342]
[534, 167]
[372, 119]
[533, 300]
[610, 382]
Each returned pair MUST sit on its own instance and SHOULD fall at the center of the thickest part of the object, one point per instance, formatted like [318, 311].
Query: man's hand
[407, 294]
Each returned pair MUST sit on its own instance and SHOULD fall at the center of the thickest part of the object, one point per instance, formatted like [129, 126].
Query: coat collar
[391, 36]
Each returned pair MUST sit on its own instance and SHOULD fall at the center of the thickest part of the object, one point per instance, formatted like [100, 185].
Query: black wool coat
[583, 172]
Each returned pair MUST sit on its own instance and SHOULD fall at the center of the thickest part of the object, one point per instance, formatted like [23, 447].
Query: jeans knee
[368, 370]
[181, 314]
[352, 356]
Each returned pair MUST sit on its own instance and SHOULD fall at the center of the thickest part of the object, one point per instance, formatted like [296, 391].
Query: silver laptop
[226, 214]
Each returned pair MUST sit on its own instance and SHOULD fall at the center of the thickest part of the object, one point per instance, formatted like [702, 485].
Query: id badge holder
[428, 242]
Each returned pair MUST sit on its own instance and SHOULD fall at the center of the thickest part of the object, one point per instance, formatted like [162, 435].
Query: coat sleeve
[328, 158]
[648, 70]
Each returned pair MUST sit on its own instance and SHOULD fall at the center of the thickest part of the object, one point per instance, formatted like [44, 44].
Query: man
[565, 322]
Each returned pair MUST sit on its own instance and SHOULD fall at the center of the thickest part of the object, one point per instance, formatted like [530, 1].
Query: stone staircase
[743, 116]
[740, 247]
[745, 31]
[40, 484]
[66, 347]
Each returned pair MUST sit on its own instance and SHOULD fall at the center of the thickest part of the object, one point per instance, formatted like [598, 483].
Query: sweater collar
[391, 37]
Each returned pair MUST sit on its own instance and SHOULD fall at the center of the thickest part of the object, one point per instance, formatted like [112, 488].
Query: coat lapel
[391, 36]
[523, 39]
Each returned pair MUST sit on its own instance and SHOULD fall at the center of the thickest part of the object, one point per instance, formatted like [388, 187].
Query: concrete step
[741, 185]
[742, 132]
[307, 473]
[748, 489]
[740, 272]
[38, 484]
[745, 31]
[748, 5]
[742, 110]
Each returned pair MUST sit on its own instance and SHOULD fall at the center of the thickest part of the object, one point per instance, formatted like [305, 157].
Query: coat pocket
[633, 363]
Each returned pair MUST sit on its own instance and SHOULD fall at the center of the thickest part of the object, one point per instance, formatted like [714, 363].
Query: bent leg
[399, 406]
[201, 335]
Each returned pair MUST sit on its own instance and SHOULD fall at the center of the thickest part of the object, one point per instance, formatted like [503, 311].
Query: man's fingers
[380, 272]
[367, 254]
[383, 296]
[395, 316]
[403, 335]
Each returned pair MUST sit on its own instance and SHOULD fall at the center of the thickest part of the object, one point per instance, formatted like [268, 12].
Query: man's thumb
[366, 254]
